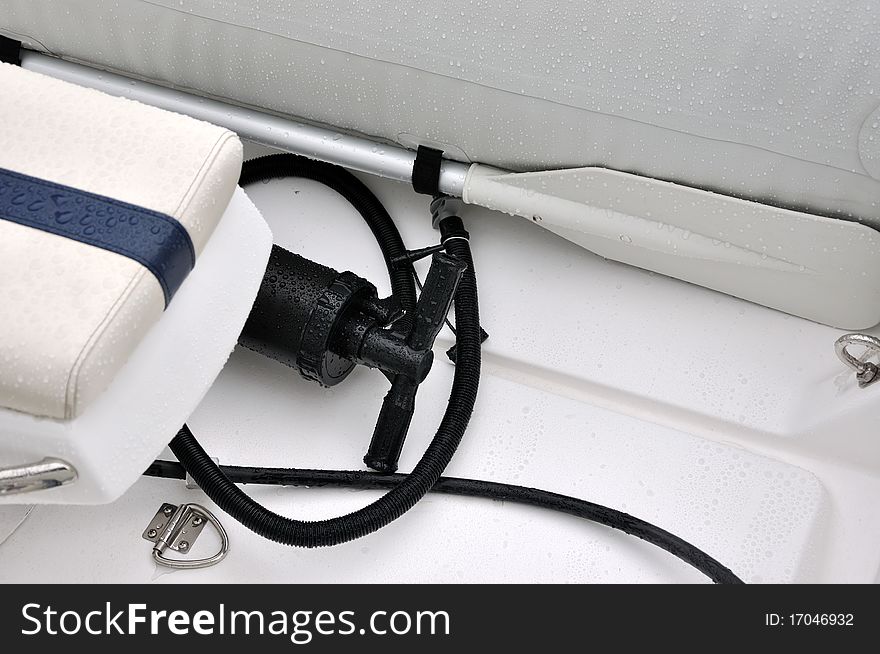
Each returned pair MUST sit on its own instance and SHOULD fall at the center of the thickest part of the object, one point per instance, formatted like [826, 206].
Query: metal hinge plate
[182, 534]
[177, 528]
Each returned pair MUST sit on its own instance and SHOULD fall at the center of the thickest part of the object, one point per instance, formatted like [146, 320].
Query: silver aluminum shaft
[353, 152]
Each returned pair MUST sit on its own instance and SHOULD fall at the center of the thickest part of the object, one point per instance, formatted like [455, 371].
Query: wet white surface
[770, 101]
[728, 424]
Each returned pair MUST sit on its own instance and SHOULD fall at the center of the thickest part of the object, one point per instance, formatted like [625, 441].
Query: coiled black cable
[631, 525]
[452, 427]
[404, 490]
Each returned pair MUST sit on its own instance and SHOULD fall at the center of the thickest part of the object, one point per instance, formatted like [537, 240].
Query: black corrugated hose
[452, 427]
[491, 490]
[404, 490]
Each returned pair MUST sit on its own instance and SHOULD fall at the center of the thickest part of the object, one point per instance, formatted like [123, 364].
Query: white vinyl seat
[73, 312]
[106, 347]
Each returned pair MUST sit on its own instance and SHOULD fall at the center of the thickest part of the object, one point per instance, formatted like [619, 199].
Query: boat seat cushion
[71, 311]
[772, 102]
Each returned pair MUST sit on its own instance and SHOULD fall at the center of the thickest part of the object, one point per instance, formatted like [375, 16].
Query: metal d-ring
[866, 371]
[181, 521]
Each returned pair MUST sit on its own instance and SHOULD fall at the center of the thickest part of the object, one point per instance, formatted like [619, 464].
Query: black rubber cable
[633, 526]
[403, 490]
[463, 395]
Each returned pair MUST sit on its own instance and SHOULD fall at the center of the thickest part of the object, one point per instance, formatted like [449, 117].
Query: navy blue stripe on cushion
[158, 242]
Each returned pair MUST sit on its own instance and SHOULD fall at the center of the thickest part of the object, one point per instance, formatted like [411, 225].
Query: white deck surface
[731, 425]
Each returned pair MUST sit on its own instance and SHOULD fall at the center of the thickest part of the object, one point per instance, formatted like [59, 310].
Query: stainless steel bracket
[48, 473]
[177, 528]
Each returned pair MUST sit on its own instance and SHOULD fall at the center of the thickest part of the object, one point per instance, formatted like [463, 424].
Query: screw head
[183, 546]
[197, 521]
[167, 510]
[152, 533]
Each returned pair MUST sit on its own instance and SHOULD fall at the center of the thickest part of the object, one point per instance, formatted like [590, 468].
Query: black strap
[156, 241]
[426, 171]
[10, 51]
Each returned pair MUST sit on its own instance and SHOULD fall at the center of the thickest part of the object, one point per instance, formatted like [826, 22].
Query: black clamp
[10, 51]
[426, 170]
